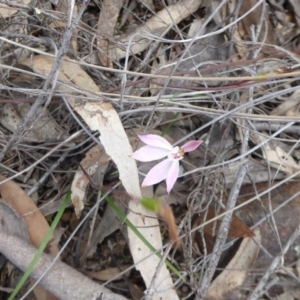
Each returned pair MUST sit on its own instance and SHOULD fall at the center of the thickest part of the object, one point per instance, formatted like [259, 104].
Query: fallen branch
[61, 280]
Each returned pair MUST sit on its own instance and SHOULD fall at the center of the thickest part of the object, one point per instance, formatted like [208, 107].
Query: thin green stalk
[42, 247]
[134, 229]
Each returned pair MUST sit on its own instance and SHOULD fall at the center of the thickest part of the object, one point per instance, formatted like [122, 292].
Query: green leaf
[151, 204]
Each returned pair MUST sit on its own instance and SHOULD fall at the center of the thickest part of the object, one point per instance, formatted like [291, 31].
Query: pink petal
[149, 153]
[191, 146]
[156, 141]
[158, 173]
[172, 175]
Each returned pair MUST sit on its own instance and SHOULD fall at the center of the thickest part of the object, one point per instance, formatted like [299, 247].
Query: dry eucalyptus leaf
[200, 54]
[136, 291]
[237, 228]
[290, 107]
[166, 213]
[280, 159]
[296, 10]
[117, 146]
[36, 224]
[10, 120]
[286, 217]
[108, 18]
[267, 33]
[109, 274]
[291, 290]
[288, 294]
[257, 172]
[194, 28]
[96, 160]
[11, 222]
[45, 129]
[171, 15]
[63, 6]
[110, 222]
[274, 154]
[7, 11]
[236, 271]
[206, 240]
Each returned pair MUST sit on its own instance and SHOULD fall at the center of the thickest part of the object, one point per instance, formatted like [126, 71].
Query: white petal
[155, 141]
[149, 153]
[158, 173]
[172, 175]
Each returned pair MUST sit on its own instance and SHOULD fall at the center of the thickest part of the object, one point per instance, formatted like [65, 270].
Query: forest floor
[94, 94]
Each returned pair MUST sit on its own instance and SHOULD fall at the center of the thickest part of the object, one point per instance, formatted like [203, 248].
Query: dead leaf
[296, 10]
[45, 127]
[109, 223]
[289, 107]
[137, 40]
[7, 11]
[237, 229]
[109, 274]
[236, 271]
[11, 222]
[63, 6]
[136, 291]
[291, 290]
[95, 159]
[36, 224]
[257, 172]
[275, 155]
[106, 24]
[166, 213]
[283, 203]
[267, 34]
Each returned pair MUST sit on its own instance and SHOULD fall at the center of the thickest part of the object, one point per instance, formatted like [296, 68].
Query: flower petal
[158, 173]
[149, 153]
[172, 175]
[155, 141]
[191, 145]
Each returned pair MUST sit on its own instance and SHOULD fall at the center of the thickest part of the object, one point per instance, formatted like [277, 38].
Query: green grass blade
[42, 247]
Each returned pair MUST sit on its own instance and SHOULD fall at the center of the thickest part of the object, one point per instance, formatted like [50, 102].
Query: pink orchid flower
[157, 148]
